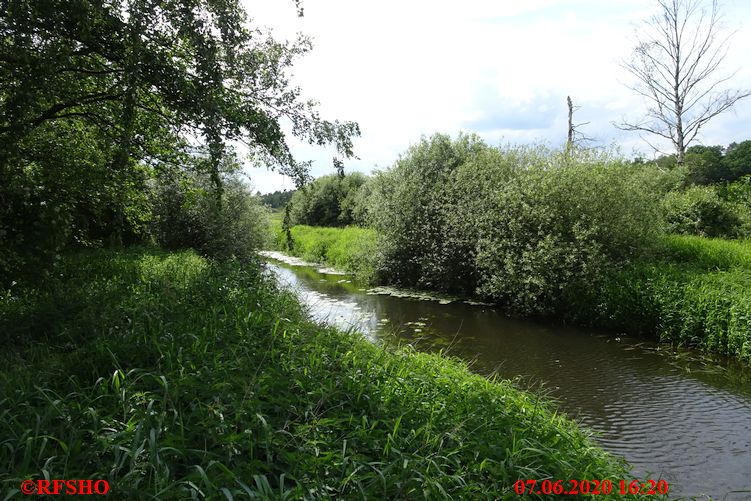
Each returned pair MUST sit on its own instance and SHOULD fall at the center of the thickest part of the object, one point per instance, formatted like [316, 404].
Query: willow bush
[524, 226]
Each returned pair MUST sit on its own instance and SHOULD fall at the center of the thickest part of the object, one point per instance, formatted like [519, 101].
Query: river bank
[664, 410]
[175, 376]
[693, 292]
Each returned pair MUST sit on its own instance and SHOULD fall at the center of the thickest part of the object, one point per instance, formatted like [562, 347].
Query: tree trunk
[570, 141]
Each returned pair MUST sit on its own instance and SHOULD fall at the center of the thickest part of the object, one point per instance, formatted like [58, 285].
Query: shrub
[700, 211]
[188, 214]
[551, 232]
[523, 226]
[408, 207]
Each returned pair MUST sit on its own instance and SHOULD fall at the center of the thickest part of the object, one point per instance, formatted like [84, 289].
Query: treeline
[115, 119]
[710, 193]
[277, 199]
[333, 200]
[710, 164]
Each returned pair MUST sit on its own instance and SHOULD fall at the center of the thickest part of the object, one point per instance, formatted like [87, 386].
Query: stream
[672, 415]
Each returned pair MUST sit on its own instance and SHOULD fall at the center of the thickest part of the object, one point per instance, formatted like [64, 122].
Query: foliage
[174, 377]
[188, 213]
[737, 160]
[277, 199]
[738, 194]
[350, 249]
[327, 201]
[62, 191]
[521, 226]
[98, 95]
[408, 208]
[700, 211]
[706, 165]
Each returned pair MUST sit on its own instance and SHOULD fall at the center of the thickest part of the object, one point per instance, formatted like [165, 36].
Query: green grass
[708, 253]
[173, 377]
[696, 294]
[351, 249]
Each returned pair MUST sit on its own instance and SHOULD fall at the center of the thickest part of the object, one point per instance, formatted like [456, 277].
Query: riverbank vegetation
[351, 249]
[586, 237]
[177, 376]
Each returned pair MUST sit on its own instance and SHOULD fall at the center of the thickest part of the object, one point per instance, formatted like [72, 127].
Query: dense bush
[699, 210]
[550, 234]
[409, 207]
[523, 226]
[59, 189]
[190, 213]
[327, 201]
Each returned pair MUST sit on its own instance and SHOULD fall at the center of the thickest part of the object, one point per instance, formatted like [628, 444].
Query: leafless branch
[676, 63]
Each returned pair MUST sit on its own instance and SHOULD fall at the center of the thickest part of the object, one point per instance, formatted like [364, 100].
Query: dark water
[670, 415]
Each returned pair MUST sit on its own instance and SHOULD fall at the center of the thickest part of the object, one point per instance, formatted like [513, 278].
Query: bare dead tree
[570, 141]
[676, 66]
[574, 135]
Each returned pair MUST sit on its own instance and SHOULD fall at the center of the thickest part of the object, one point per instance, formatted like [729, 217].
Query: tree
[95, 96]
[327, 201]
[676, 65]
[574, 136]
[738, 159]
[705, 164]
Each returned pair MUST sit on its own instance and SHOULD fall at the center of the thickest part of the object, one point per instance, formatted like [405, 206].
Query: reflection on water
[672, 417]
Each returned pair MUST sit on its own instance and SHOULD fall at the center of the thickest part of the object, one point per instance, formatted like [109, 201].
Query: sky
[502, 69]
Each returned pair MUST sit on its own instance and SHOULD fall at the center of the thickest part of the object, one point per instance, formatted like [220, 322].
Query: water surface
[671, 416]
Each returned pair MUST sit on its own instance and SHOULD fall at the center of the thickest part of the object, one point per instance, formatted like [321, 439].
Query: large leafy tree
[138, 81]
[130, 85]
[196, 66]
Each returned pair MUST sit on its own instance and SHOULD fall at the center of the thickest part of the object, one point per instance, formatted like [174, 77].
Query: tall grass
[708, 253]
[696, 293]
[173, 377]
[351, 249]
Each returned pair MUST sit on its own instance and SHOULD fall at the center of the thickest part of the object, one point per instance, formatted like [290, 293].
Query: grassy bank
[351, 249]
[696, 292]
[175, 377]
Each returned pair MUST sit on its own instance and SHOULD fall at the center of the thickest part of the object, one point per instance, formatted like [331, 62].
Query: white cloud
[407, 68]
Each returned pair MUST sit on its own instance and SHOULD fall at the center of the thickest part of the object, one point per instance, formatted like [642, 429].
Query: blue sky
[501, 69]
